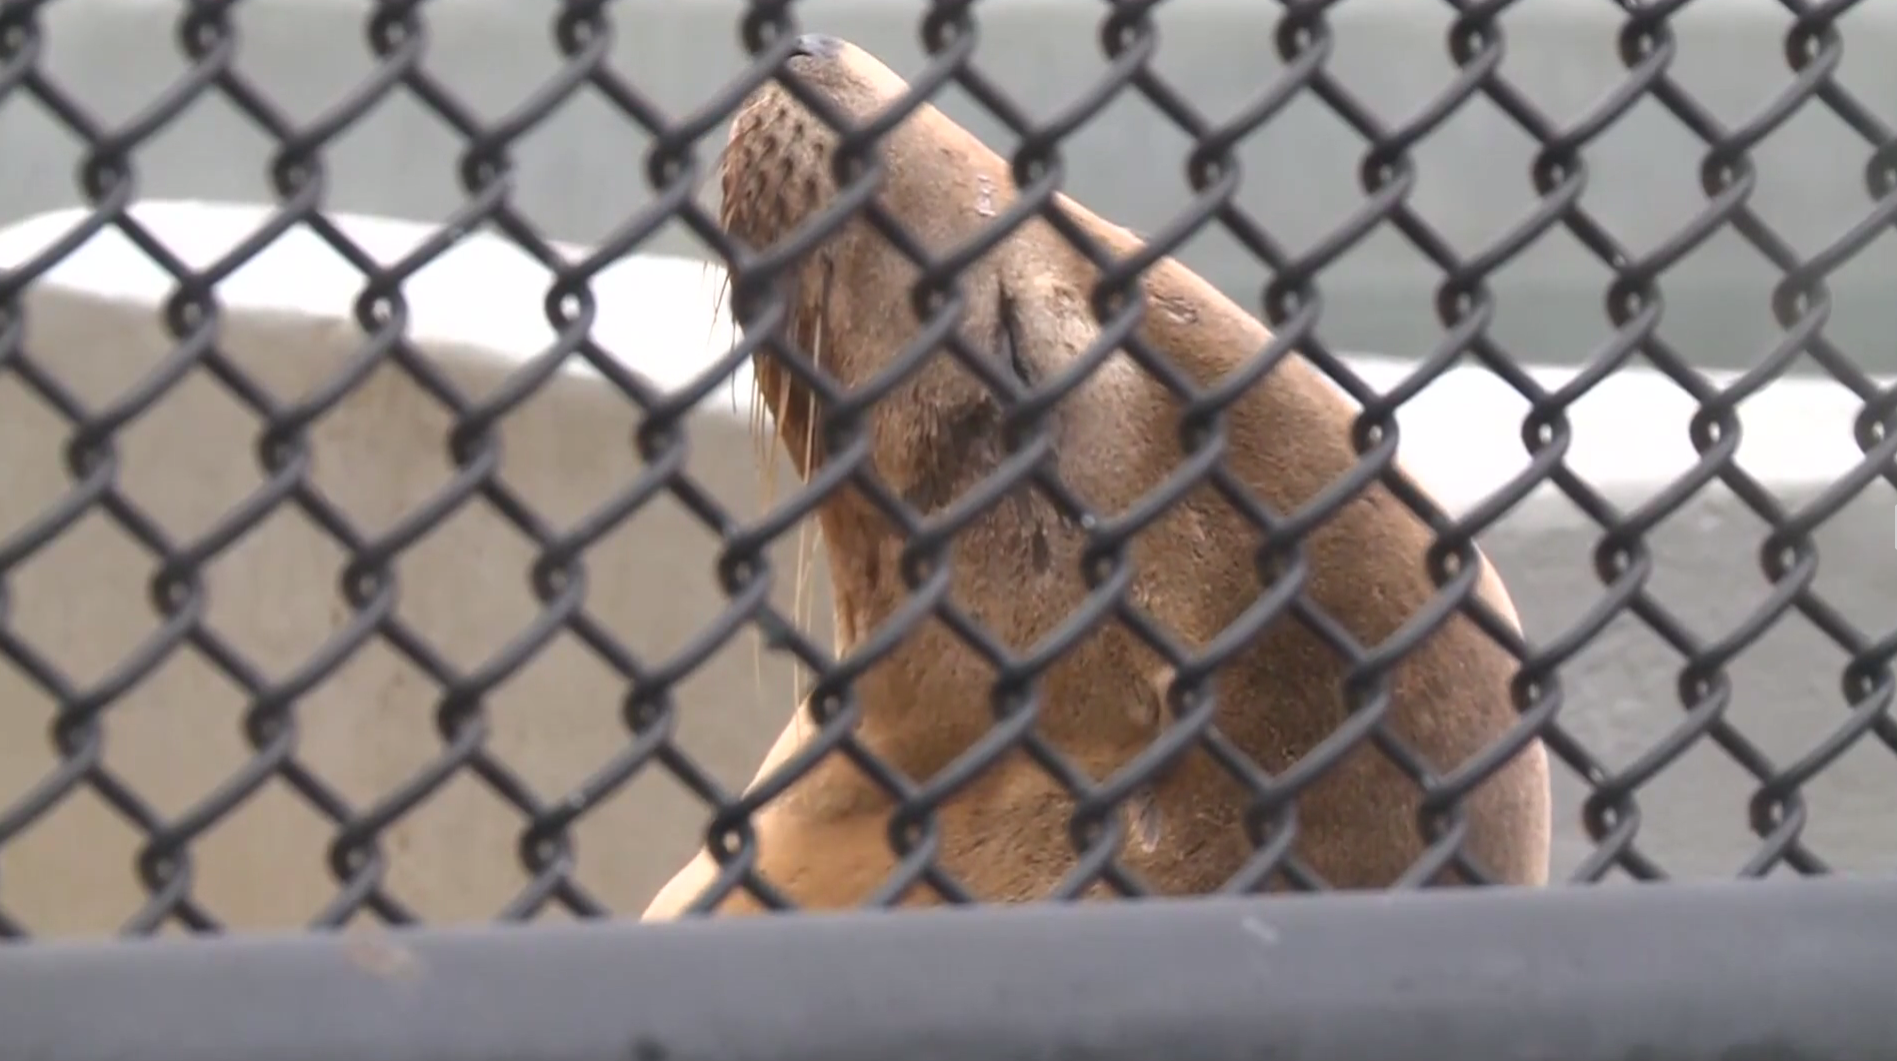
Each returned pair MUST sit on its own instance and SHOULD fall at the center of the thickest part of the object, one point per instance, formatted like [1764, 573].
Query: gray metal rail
[1685, 972]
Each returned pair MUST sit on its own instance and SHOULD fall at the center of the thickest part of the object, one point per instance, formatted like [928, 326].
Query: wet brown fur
[824, 843]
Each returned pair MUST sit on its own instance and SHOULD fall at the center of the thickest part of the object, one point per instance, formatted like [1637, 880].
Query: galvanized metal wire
[675, 167]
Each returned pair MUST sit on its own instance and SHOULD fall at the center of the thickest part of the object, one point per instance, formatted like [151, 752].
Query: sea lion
[824, 843]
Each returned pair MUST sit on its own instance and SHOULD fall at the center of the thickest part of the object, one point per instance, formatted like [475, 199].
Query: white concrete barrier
[82, 601]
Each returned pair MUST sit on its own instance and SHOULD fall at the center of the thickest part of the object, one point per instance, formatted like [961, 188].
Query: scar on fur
[984, 196]
[1149, 711]
[1144, 820]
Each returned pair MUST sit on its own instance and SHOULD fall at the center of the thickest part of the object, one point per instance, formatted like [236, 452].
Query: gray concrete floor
[1787, 694]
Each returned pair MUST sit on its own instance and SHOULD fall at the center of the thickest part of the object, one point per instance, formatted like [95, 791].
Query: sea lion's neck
[863, 552]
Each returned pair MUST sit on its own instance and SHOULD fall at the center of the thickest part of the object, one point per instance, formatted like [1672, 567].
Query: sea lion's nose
[818, 46]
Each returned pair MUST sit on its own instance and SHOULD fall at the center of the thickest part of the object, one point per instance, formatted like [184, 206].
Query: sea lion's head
[854, 296]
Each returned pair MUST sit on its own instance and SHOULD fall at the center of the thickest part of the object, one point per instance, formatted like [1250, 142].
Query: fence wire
[676, 166]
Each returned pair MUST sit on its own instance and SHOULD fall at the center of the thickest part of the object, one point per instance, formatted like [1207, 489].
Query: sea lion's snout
[776, 167]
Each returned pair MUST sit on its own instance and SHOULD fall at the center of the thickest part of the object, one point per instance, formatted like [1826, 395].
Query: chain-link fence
[885, 798]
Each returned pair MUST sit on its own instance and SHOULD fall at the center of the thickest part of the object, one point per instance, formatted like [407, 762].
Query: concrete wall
[81, 601]
[580, 173]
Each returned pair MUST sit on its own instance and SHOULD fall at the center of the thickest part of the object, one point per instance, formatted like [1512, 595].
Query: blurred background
[580, 173]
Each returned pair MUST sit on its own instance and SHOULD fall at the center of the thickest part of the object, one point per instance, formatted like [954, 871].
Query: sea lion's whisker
[759, 445]
[717, 307]
[808, 540]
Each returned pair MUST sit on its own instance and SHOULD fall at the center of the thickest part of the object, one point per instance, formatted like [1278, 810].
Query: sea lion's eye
[1011, 341]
